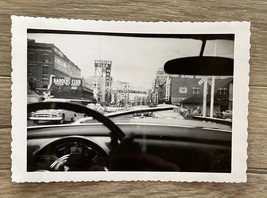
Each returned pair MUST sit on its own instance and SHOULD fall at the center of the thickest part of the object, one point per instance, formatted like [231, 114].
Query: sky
[134, 60]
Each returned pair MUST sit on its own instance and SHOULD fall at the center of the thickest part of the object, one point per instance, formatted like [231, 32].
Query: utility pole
[204, 80]
[205, 98]
[212, 96]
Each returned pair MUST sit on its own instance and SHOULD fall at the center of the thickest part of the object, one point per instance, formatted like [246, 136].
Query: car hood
[47, 111]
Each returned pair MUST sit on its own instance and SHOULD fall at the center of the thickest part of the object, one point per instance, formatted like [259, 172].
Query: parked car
[111, 108]
[96, 106]
[34, 98]
[174, 113]
[54, 116]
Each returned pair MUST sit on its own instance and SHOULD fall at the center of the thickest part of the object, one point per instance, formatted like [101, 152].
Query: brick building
[188, 91]
[185, 90]
[47, 64]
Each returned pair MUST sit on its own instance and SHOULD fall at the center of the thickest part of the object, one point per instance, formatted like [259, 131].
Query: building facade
[188, 91]
[49, 68]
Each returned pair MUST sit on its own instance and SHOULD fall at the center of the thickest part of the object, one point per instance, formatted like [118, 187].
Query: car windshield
[125, 80]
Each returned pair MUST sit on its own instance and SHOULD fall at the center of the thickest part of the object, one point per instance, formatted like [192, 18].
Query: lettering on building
[67, 81]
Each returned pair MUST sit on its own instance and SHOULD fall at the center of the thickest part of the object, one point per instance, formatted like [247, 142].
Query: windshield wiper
[133, 111]
[127, 112]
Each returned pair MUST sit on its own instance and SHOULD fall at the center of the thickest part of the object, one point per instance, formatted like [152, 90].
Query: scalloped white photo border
[241, 30]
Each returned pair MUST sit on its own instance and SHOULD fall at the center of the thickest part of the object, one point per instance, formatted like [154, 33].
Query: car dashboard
[146, 147]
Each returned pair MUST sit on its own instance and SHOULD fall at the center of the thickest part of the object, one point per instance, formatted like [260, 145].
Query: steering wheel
[86, 147]
[70, 154]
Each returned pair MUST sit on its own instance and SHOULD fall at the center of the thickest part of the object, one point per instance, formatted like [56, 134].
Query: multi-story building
[49, 68]
[188, 91]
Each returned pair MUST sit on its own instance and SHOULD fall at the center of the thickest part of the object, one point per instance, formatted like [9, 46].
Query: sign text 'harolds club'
[73, 82]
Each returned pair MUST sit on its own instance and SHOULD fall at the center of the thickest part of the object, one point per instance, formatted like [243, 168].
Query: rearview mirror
[200, 65]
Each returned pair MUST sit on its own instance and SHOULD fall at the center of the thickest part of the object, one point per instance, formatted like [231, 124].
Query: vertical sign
[105, 66]
[168, 87]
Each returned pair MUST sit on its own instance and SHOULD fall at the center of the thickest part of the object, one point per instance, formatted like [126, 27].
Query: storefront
[70, 88]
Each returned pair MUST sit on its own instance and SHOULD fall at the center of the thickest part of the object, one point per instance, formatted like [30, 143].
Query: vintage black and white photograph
[125, 105]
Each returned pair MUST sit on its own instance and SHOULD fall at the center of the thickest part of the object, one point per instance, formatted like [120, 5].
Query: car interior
[110, 145]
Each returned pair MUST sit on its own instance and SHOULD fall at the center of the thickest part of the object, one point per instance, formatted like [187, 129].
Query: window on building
[196, 90]
[222, 91]
[30, 70]
[45, 84]
[30, 56]
[45, 70]
[46, 58]
[183, 90]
